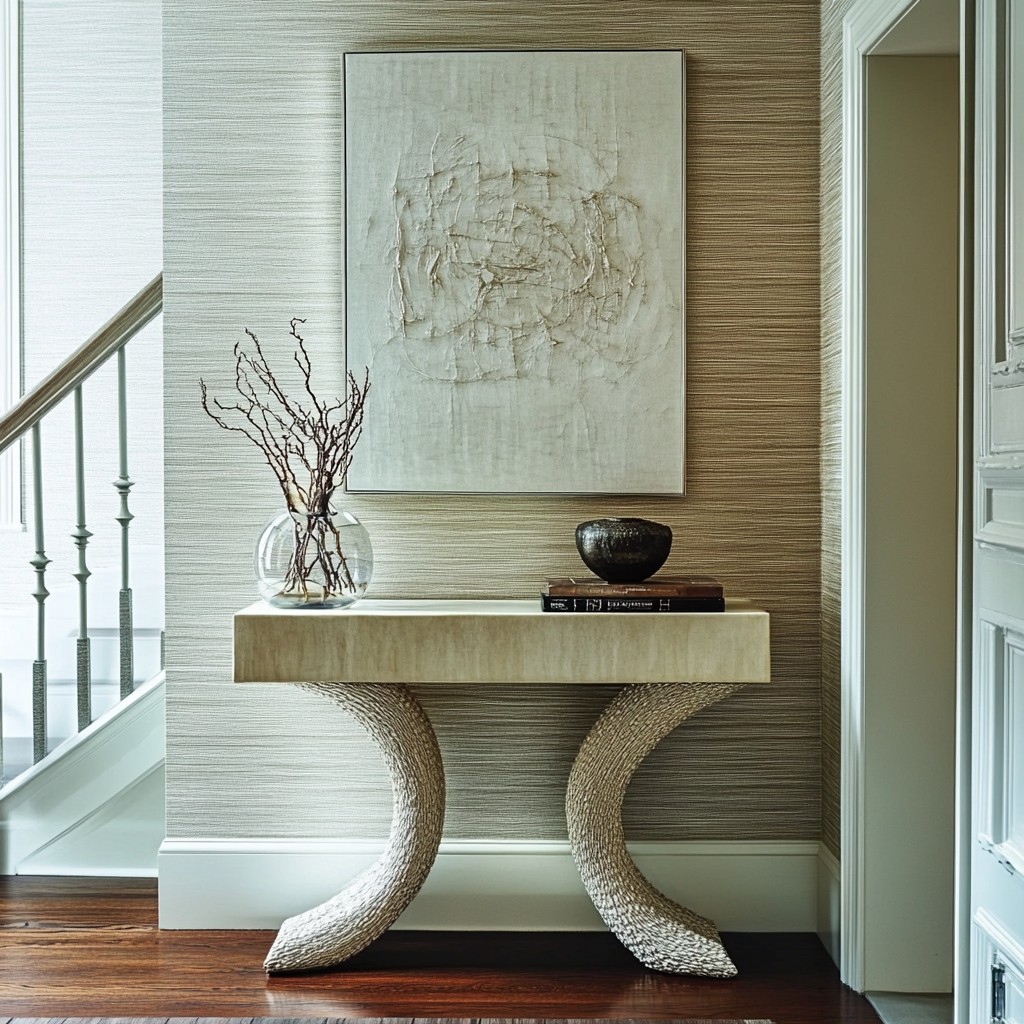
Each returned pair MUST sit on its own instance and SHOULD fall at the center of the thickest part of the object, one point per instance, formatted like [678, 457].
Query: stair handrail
[67, 380]
[82, 363]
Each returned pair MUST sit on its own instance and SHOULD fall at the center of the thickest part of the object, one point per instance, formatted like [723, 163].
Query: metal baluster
[124, 484]
[124, 517]
[39, 563]
[81, 536]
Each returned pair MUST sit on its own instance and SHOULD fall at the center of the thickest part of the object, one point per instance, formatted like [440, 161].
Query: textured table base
[350, 921]
[660, 933]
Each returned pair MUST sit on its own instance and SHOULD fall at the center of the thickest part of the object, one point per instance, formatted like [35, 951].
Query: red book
[656, 586]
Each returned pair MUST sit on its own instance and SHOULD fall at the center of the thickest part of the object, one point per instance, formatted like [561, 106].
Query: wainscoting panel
[1001, 514]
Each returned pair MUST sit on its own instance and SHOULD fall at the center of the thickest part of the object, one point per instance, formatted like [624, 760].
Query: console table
[364, 659]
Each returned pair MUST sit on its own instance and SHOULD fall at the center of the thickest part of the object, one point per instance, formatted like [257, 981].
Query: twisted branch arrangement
[307, 446]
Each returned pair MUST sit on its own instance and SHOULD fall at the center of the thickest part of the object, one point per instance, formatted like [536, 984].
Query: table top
[498, 642]
[529, 607]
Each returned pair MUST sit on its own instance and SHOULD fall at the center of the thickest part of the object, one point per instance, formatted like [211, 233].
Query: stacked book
[657, 594]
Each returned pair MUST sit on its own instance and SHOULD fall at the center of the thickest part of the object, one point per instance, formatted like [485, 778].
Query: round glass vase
[313, 561]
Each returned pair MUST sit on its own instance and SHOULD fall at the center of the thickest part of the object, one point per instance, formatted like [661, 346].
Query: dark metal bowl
[623, 550]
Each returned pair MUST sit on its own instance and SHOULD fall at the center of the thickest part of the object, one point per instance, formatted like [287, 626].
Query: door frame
[864, 26]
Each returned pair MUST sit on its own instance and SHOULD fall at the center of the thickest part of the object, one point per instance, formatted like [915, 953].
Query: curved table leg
[660, 933]
[350, 921]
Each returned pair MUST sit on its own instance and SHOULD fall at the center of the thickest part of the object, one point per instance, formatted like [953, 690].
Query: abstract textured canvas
[514, 260]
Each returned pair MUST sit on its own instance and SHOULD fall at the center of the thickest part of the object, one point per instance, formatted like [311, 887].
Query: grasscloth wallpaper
[832, 14]
[253, 237]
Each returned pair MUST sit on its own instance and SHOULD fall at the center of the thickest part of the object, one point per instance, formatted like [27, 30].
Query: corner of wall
[828, 902]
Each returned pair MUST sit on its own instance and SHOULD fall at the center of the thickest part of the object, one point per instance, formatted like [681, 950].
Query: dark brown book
[656, 586]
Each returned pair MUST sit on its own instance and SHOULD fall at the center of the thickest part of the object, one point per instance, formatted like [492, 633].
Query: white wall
[911, 386]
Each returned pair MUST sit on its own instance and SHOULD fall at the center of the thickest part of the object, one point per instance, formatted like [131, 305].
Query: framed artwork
[514, 262]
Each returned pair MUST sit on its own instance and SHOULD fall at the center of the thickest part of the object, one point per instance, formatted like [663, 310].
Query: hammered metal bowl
[623, 550]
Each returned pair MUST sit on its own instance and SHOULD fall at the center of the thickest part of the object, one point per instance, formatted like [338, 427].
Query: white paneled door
[997, 716]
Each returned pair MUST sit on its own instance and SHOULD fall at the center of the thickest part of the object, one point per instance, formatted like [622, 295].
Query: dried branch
[308, 448]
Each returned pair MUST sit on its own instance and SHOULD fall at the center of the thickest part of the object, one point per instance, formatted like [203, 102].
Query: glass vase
[313, 561]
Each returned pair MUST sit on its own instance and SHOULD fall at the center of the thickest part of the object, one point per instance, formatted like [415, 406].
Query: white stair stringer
[119, 839]
[74, 795]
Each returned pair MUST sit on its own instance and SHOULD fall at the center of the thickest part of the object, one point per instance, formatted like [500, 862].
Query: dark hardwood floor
[91, 947]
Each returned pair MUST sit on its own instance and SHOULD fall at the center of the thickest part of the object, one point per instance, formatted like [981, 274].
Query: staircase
[81, 680]
[17, 653]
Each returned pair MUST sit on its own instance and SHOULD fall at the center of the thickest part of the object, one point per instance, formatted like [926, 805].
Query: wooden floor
[91, 947]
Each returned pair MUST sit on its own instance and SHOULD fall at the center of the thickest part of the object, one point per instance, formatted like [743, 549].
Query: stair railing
[25, 418]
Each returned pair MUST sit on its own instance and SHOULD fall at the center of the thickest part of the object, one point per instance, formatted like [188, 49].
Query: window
[10, 257]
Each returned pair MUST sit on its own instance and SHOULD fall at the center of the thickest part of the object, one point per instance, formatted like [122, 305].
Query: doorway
[900, 478]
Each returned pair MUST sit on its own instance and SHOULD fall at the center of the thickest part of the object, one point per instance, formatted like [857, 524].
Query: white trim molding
[484, 886]
[864, 26]
[82, 775]
[999, 511]
[10, 253]
[829, 902]
[988, 278]
[993, 943]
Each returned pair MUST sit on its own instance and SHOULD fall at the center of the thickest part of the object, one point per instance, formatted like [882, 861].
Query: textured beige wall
[252, 236]
[832, 14]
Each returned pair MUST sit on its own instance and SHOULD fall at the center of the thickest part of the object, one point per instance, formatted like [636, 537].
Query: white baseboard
[483, 886]
[829, 905]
